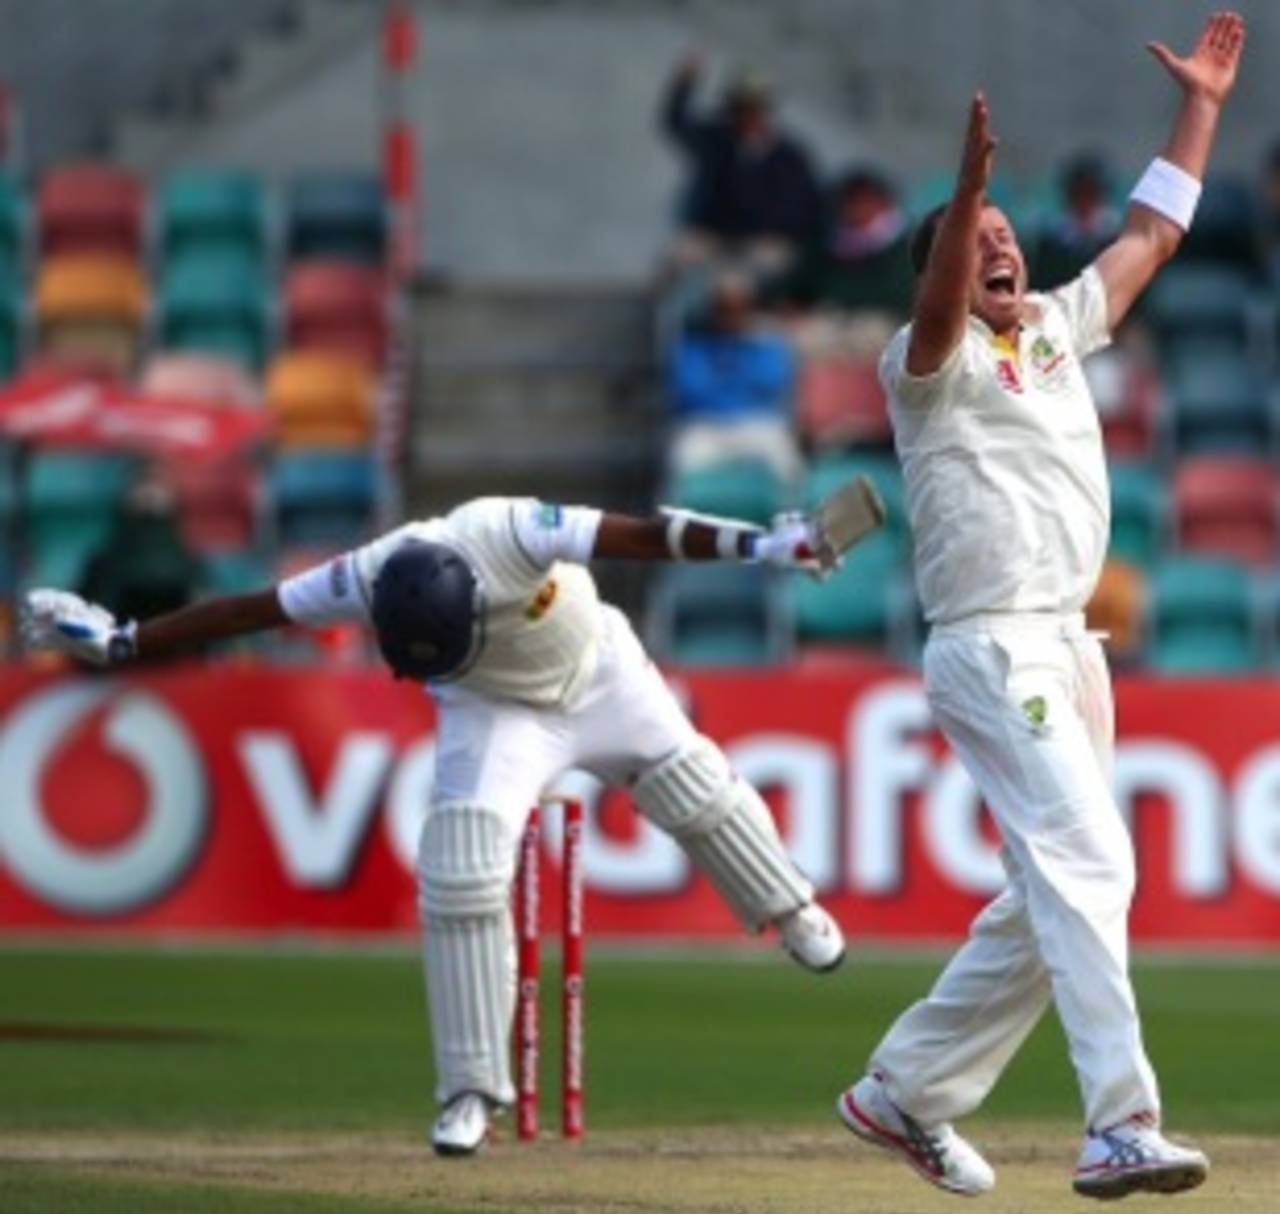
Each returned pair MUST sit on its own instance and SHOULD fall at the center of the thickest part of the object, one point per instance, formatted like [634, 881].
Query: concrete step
[503, 392]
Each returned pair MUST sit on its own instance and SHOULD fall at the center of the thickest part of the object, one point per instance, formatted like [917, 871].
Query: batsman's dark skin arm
[621, 537]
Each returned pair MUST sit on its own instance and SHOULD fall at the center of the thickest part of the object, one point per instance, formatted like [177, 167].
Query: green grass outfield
[222, 1040]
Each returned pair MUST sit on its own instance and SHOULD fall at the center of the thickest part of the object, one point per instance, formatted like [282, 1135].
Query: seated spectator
[862, 261]
[144, 566]
[752, 192]
[1075, 235]
[730, 387]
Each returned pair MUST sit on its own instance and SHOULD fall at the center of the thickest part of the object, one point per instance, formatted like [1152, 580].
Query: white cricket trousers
[1025, 702]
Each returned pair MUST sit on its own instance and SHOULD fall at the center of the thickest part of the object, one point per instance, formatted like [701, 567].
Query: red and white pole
[399, 141]
[527, 918]
[572, 925]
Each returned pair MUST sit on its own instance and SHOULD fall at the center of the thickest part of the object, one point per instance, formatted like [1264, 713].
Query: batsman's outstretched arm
[1164, 201]
[63, 622]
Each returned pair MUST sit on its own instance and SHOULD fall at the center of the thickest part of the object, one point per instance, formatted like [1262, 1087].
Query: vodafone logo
[137, 728]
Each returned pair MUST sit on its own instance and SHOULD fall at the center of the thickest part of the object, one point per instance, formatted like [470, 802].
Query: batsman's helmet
[428, 610]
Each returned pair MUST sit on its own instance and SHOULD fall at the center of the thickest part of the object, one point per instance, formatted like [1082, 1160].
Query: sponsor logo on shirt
[339, 578]
[549, 516]
[1049, 365]
[542, 601]
[1007, 375]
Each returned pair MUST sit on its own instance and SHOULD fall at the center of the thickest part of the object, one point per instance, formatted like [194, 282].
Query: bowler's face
[1000, 280]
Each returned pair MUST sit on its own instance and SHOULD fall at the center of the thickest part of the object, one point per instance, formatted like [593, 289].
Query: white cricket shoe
[937, 1152]
[462, 1126]
[812, 937]
[1134, 1157]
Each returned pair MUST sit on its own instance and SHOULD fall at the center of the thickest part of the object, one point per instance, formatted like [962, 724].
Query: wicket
[528, 920]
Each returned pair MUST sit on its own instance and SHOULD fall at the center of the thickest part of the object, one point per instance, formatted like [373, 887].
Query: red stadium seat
[1129, 412]
[1226, 506]
[839, 401]
[90, 208]
[336, 306]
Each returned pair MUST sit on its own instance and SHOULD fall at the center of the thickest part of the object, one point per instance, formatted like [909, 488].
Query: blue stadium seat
[324, 497]
[719, 615]
[337, 215]
[1201, 301]
[1219, 405]
[1202, 618]
[1138, 514]
[744, 489]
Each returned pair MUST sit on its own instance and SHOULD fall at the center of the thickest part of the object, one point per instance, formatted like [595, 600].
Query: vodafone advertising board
[251, 799]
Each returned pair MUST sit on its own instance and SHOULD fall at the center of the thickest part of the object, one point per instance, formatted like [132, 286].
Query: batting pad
[727, 830]
[465, 865]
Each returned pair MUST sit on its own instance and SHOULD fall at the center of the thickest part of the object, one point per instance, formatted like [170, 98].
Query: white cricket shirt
[1001, 451]
[542, 614]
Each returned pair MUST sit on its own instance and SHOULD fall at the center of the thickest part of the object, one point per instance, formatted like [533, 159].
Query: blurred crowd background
[632, 272]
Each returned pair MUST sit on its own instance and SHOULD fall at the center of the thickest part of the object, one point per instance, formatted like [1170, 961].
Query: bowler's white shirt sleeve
[915, 391]
[325, 594]
[1083, 305]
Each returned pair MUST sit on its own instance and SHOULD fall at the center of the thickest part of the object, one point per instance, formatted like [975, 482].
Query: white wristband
[1169, 191]
[728, 538]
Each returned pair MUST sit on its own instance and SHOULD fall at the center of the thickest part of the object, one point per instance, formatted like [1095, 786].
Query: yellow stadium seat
[320, 399]
[93, 287]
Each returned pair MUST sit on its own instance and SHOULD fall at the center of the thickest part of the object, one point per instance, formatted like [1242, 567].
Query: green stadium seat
[854, 603]
[719, 615]
[1138, 512]
[1202, 618]
[744, 489]
[323, 497]
[337, 215]
[234, 572]
[1197, 300]
[1219, 404]
[69, 501]
[936, 188]
[209, 212]
[217, 305]
[829, 472]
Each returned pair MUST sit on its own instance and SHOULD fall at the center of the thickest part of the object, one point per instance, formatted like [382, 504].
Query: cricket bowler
[1006, 489]
[492, 609]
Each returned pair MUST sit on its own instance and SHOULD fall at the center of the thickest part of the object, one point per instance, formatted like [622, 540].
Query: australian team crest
[1050, 366]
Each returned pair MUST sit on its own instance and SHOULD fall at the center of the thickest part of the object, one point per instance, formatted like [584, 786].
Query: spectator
[862, 261]
[1087, 222]
[144, 566]
[752, 192]
[730, 387]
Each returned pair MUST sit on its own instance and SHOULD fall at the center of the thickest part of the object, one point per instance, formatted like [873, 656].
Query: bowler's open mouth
[1001, 282]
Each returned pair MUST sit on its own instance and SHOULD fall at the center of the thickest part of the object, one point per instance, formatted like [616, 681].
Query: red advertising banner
[228, 798]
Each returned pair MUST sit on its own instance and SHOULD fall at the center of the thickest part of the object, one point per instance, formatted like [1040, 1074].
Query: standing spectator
[752, 192]
[1086, 223]
[730, 387]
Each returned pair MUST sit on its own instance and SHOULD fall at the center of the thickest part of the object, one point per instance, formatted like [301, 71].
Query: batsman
[491, 608]
[1006, 488]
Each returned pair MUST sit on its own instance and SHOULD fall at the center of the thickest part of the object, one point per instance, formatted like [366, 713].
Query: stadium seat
[90, 310]
[718, 615]
[319, 399]
[1117, 608]
[1127, 392]
[211, 212]
[853, 604]
[937, 188]
[337, 215]
[337, 306]
[1218, 404]
[1138, 510]
[10, 336]
[1202, 618]
[1226, 506]
[12, 224]
[323, 497]
[217, 502]
[234, 571]
[68, 502]
[1225, 226]
[1192, 299]
[744, 489]
[839, 401]
[829, 472]
[217, 305]
[90, 208]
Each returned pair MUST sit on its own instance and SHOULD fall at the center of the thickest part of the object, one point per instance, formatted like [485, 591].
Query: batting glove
[791, 543]
[65, 623]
